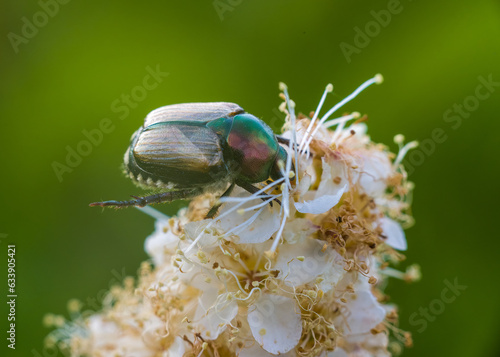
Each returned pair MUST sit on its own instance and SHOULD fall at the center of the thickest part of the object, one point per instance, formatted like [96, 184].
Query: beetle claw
[104, 203]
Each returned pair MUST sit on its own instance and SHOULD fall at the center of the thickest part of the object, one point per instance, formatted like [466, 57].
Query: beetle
[191, 148]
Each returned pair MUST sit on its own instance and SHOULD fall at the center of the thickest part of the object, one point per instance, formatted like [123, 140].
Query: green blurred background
[68, 75]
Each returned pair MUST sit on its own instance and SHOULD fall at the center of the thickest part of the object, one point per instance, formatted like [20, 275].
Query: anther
[379, 78]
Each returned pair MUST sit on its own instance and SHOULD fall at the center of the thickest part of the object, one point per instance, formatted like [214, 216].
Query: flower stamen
[328, 89]
[377, 79]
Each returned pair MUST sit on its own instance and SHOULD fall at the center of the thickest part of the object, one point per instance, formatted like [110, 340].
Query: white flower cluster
[300, 278]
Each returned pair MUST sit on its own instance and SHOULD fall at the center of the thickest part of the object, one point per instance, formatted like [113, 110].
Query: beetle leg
[283, 140]
[157, 198]
[213, 211]
[252, 189]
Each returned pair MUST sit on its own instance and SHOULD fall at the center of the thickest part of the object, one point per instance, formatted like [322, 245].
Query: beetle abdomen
[182, 154]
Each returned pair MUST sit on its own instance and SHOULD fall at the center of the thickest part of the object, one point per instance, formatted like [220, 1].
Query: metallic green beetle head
[255, 149]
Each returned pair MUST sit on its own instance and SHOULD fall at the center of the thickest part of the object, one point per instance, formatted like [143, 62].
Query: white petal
[254, 351]
[360, 130]
[335, 272]
[338, 352]
[320, 204]
[364, 313]
[102, 331]
[305, 181]
[329, 193]
[153, 333]
[332, 169]
[216, 319]
[260, 230]
[159, 241]
[297, 230]
[275, 323]
[193, 229]
[209, 289]
[207, 239]
[108, 336]
[376, 168]
[296, 272]
[359, 140]
[257, 351]
[369, 340]
[178, 348]
[395, 235]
